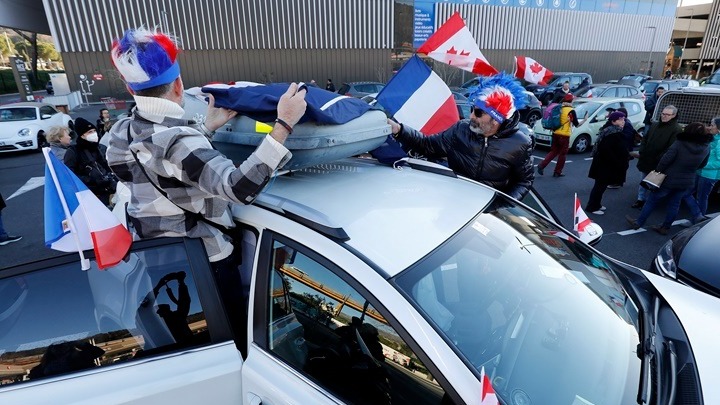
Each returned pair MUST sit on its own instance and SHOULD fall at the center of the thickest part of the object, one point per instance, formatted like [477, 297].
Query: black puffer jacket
[89, 164]
[682, 159]
[502, 161]
[610, 164]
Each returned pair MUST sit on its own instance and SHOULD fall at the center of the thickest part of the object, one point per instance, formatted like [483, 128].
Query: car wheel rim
[532, 119]
[581, 145]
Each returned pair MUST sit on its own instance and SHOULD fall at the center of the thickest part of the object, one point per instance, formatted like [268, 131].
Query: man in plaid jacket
[181, 174]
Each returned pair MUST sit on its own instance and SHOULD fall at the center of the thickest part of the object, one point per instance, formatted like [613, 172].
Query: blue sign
[424, 22]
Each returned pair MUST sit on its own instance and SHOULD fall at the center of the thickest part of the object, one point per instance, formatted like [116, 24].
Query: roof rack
[303, 214]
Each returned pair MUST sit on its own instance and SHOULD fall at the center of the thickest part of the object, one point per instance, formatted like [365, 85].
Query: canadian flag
[487, 396]
[580, 218]
[453, 44]
[531, 71]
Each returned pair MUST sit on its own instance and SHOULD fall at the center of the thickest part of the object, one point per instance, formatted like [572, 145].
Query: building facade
[351, 40]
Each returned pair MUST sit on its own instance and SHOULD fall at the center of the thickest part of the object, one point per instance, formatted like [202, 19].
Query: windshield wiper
[652, 351]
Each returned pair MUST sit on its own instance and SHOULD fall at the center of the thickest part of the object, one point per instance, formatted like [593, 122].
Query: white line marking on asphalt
[631, 231]
[30, 185]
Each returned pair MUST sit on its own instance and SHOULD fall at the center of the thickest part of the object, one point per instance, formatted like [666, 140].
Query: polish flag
[533, 72]
[419, 98]
[580, 219]
[453, 44]
[75, 220]
[487, 396]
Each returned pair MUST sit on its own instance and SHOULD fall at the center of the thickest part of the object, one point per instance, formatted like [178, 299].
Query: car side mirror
[45, 116]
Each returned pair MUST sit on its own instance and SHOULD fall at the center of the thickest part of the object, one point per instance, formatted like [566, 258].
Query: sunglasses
[478, 112]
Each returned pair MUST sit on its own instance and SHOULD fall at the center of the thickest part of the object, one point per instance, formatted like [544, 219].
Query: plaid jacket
[180, 160]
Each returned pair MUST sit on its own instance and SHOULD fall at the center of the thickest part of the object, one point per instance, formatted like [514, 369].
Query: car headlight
[665, 261]
[24, 132]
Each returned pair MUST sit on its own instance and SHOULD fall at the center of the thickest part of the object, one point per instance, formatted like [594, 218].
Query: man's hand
[292, 104]
[394, 126]
[216, 116]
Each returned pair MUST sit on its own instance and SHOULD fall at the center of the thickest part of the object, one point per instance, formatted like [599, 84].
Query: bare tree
[32, 39]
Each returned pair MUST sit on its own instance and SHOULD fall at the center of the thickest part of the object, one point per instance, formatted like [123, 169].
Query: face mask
[92, 137]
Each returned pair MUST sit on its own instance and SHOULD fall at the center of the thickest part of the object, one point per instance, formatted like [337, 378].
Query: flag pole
[84, 263]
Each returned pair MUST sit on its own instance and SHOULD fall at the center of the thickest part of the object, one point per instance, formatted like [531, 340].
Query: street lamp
[652, 44]
[692, 13]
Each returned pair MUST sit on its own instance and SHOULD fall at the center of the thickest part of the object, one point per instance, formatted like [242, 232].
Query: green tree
[4, 49]
[47, 51]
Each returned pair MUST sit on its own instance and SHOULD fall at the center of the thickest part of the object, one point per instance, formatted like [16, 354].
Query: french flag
[453, 44]
[419, 98]
[75, 220]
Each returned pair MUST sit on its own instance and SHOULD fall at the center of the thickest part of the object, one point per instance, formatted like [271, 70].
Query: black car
[691, 257]
[545, 93]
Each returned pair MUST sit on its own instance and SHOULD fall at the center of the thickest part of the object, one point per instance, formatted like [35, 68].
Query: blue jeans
[642, 191]
[703, 187]
[675, 197]
[3, 234]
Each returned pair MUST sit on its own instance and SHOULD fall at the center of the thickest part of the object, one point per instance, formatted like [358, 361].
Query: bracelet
[205, 130]
[285, 125]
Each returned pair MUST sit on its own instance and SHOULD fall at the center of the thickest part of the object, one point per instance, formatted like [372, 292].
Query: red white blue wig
[500, 96]
[146, 58]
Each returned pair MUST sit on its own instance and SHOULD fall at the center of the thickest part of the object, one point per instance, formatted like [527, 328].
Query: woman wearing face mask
[88, 162]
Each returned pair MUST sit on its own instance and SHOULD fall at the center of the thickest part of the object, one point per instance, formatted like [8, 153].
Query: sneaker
[660, 229]
[603, 208]
[598, 212]
[558, 174]
[540, 170]
[699, 219]
[633, 223]
[9, 239]
[638, 204]
[614, 186]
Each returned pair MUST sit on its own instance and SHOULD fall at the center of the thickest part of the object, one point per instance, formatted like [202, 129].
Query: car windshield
[582, 107]
[649, 87]
[530, 306]
[17, 114]
[714, 79]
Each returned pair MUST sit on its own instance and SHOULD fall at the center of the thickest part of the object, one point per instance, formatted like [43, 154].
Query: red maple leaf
[536, 68]
[454, 52]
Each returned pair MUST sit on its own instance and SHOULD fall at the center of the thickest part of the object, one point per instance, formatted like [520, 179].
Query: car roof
[393, 217]
[26, 104]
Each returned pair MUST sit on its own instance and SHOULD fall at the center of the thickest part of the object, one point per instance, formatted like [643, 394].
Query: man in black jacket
[488, 147]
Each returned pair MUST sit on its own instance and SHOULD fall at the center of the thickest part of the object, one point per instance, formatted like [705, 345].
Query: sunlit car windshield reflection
[530, 305]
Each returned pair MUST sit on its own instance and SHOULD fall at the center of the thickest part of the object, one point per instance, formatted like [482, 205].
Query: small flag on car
[580, 218]
[76, 220]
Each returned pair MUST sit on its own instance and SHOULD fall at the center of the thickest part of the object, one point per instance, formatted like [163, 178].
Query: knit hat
[145, 58]
[568, 98]
[82, 126]
[615, 115]
[500, 96]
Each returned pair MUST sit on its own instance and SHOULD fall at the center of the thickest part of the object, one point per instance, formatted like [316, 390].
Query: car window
[602, 115]
[365, 88]
[633, 92]
[47, 110]
[575, 81]
[464, 110]
[379, 87]
[610, 92]
[61, 319]
[622, 92]
[584, 107]
[633, 108]
[17, 114]
[327, 330]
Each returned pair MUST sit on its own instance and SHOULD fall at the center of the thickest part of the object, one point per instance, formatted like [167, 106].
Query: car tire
[582, 144]
[532, 118]
[41, 141]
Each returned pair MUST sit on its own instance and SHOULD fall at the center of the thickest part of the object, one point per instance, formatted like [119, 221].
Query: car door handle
[254, 399]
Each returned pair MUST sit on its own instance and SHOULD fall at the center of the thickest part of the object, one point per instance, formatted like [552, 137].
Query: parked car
[23, 125]
[712, 81]
[609, 90]
[350, 266]
[545, 93]
[688, 82]
[695, 104]
[650, 86]
[597, 110]
[691, 258]
[634, 79]
[360, 89]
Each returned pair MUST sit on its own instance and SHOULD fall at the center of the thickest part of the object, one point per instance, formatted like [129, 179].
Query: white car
[365, 284]
[597, 110]
[23, 125]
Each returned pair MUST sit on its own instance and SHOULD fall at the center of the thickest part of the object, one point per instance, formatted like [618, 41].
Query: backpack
[551, 117]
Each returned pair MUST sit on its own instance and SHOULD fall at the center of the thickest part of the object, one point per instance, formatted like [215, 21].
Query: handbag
[653, 180]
